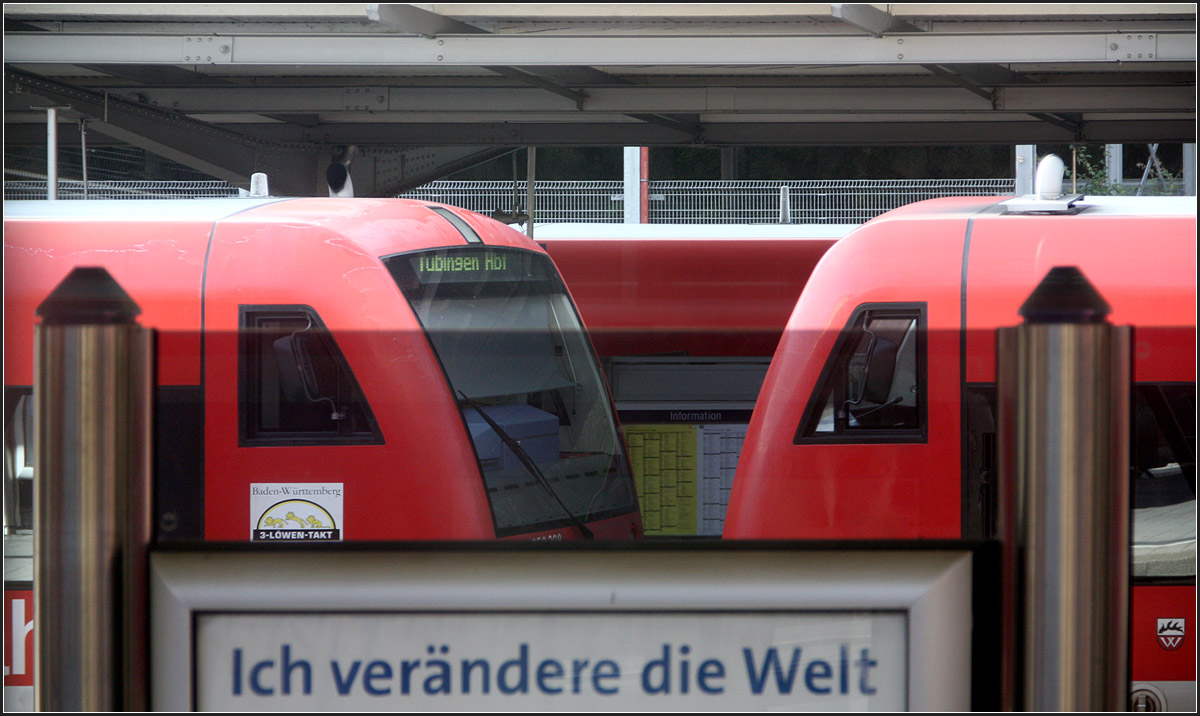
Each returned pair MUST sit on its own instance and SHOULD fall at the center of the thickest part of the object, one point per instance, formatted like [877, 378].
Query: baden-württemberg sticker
[296, 512]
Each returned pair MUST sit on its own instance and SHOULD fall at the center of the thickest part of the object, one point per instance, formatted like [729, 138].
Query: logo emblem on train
[296, 512]
[1171, 633]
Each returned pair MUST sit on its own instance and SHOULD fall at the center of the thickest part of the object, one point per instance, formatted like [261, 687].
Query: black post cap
[1065, 296]
[88, 295]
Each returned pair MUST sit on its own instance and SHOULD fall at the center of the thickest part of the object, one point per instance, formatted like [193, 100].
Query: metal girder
[482, 101]
[869, 18]
[1009, 129]
[410, 18]
[393, 171]
[537, 50]
[295, 167]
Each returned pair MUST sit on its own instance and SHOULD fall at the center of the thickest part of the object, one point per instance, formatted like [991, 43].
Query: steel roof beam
[869, 18]
[1115, 97]
[599, 51]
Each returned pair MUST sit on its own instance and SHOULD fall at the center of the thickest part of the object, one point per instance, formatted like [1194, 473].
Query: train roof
[133, 209]
[1028, 206]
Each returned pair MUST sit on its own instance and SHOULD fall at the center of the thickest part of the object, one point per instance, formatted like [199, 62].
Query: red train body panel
[381, 304]
[683, 289]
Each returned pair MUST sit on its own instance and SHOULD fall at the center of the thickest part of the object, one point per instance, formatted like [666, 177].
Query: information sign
[563, 630]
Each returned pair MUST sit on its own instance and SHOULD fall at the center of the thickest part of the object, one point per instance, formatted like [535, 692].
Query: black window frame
[834, 371]
[250, 433]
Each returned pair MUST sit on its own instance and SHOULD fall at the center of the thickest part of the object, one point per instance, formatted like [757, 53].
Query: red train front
[877, 416]
[335, 369]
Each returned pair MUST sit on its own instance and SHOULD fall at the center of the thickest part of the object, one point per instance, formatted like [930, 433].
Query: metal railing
[840, 201]
[74, 189]
[843, 201]
[557, 201]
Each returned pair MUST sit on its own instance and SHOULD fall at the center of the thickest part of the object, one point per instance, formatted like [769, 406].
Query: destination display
[466, 264]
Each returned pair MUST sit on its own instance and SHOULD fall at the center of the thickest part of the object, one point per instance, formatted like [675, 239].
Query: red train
[395, 370]
[876, 418]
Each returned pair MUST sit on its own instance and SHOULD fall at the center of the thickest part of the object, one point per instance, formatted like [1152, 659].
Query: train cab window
[295, 386]
[872, 389]
[528, 385]
[1163, 457]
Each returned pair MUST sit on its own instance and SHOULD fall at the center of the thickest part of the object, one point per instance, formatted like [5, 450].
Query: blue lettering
[864, 663]
[683, 670]
[758, 679]
[711, 669]
[288, 665]
[377, 671]
[343, 684]
[664, 685]
[549, 669]
[439, 682]
[577, 667]
[255, 685]
[406, 669]
[844, 670]
[468, 667]
[521, 664]
[817, 669]
[237, 672]
[605, 669]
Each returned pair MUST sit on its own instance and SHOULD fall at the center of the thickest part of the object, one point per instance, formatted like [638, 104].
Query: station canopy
[425, 89]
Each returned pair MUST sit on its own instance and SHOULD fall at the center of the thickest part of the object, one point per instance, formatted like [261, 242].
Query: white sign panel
[599, 661]
[494, 627]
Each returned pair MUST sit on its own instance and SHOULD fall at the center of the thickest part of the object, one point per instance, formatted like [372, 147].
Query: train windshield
[528, 384]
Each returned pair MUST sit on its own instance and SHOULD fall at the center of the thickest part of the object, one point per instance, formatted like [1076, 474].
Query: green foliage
[1091, 176]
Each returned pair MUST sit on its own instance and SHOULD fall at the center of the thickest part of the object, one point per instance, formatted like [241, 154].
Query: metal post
[1189, 169]
[1150, 162]
[632, 185]
[83, 154]
[644, 186]
[1026, 164]
[1064, 440]
[530, 178]
[1114, 163]
[92, 498]
[785, 205]
[51, 153]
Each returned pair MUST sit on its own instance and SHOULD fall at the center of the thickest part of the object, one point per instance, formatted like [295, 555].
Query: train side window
[295, 386]
[1163, 457]
[18, 458]
[872, 389]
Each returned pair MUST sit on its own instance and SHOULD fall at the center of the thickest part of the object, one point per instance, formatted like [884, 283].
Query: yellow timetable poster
[684, 473]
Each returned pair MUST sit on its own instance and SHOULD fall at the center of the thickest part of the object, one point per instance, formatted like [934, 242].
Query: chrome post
[92, 387]
[51, 153]
[1063, 384]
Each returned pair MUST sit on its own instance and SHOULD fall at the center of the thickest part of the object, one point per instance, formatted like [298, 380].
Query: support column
[1114, 163]
[1026, 164]
[1063, 386]
[530, 195]
[92, 387]
[633, 185]
[1189, 169]
[51, 153]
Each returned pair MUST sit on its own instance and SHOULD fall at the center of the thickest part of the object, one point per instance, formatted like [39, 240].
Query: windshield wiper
[529, 464]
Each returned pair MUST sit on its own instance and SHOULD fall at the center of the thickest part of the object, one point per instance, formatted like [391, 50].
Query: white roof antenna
[258, 184]
[1048, 181]
[1047, 197]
